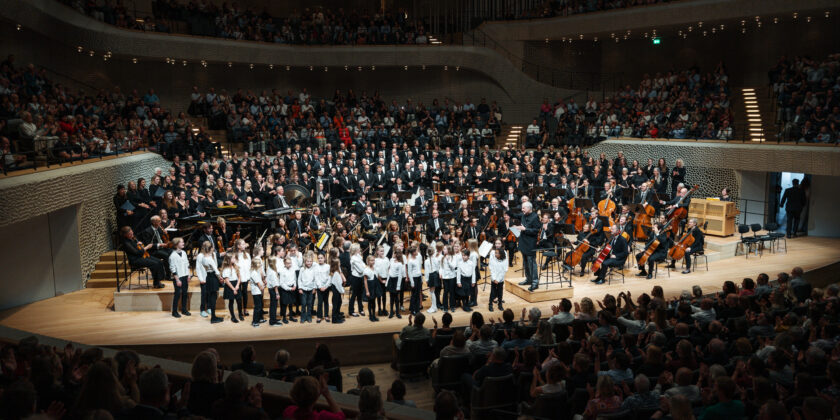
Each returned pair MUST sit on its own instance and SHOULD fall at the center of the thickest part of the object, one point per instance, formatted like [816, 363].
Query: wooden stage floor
[86, 316]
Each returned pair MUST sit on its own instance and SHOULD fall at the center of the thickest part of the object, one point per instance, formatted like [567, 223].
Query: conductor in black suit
[795, 199]
[528, 243]
[617, 256]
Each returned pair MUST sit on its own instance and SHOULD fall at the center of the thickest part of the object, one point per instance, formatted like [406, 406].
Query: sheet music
[484, 249]
[386, 248]
[517, 230]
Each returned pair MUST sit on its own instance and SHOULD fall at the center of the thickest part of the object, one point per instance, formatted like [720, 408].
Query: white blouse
[286, 279]
[466, 269]
[204, 265]
[357, 266]
[179, 264]
[256, 281]
[230, 273]
[397, 269]
[243, 261]
[448, 267]
[414, 268]
[380, 266]
[337, 282]
[306, 278]
[322, 275]
[498, 269]
[271, 279]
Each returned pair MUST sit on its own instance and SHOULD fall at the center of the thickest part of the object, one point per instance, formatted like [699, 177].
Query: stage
[87, 315]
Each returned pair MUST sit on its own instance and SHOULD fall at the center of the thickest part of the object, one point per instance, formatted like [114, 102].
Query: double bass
[606, 207]
[643, 218]
[575, 217]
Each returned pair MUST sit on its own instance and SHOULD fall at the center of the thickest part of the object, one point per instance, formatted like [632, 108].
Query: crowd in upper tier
[554, 8]
[316, 26]
[685, 104]
[763, 350]
[807, 92]
[269, 121]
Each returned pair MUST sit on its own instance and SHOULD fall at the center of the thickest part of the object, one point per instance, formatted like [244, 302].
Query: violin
[142, 248]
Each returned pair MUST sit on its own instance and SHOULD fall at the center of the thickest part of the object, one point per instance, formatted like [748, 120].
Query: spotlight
[808, 19]
[423, 67]
[700, 24]
[271, 66]
[359, 68]
[827, 14]
[311, 68]
[405, 67]
[134, 60]
[581, 36]
[251, 66]
[795, 15]
[743, 30]
[79, 49]
[373, 67]
[230, 64]
[457, 68]
[775, 20]
[167, 60]
[546, 40]
[184, 63]
[204, 63]
[18, 27]
[445, 68]
[326, 69]
[288, 68]
[595, 39]
[91, 53]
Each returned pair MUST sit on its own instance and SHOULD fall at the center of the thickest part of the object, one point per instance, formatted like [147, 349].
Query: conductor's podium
[720, 215]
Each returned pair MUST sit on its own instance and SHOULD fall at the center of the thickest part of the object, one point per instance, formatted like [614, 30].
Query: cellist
[695, 248]
[658, 253]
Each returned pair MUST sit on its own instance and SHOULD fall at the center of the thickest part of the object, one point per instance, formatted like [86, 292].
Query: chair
[618, 270]
[553, 272]
[778, 237]
[755, 228]
[441, 341]
[656, 268]
[618, 415]
[414, 357]
[523, 387]
[765, 238]
[550, 407]
[493, 394]
[128, 271]
[747, 241]
[447, 374]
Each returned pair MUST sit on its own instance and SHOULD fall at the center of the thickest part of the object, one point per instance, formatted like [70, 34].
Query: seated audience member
[284, 371]
[205, 388]
[364, 378]
[305, 393]
[396, 394]
[248, 363]
[370, 404]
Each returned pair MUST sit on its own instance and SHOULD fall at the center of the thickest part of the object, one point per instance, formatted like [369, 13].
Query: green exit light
[657, 41]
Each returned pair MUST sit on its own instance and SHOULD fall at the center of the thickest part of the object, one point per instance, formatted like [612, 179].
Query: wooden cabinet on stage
[720, 215]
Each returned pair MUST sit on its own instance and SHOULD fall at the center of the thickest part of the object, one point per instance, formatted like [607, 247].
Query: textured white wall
[91, 187]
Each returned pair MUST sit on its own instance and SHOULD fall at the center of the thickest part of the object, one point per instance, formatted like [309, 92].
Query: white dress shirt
[466, 269]
[256, 278]
[179, 265]
[397, 269]
[286, 278]
[380, 267]
[306, 278]
[413, 265]
[243, 262]
[498, 269]
[322, 275]
[357, 265]
[271, 279]
[448, 267]
[204, 265]
[337, 282]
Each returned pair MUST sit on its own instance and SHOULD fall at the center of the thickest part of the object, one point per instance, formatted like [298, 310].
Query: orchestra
[402, 239]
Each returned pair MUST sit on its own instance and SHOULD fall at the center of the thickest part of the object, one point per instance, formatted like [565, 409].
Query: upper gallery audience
[808, 95]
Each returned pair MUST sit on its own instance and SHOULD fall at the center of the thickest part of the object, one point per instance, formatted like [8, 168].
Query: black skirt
[466, 283]
[434, 279]
[374, 287]
[229, 293]
[288, 297]
[380, 288]
[393, 282]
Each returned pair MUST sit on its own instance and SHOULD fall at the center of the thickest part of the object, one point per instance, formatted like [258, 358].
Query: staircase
[510, 137]
[104, 274]
[757, 114]
[218, 136]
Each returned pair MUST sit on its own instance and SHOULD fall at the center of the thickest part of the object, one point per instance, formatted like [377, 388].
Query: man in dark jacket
[795, 199]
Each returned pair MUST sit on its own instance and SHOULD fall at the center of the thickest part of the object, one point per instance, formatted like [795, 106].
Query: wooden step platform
[545, 292]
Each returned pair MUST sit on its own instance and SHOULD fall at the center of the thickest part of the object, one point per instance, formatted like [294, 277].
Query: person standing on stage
[414, 274]
[288, 289]
[448, 272]
[357, 268]
[396, 275]
[431, 272]
[243, 262]
[528, 242]
[207, 270]
[306, 284]
[297, 263]
[322, 287]
[371, 287]
[230, 278]
[272, 284]
[179, 266]
[696, 247]
[257, 284]
[795, 198]
[498, 269]
[337, 282]
[465, 279]
[617, 257]
[380, 267]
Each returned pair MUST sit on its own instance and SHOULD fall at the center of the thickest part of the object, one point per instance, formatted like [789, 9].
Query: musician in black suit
[645, 196]
[315, 219]
[545, 238]
[528, 242]
[422, 202]
[446, 201]
[392, 202]
[369, 223]
[585, 190]
[434, 225]
[795, 199]
[659, 252]
[697, 246]
[135, 250]
[618, 255]
[279, 200]
[155, 235]
[298, 229]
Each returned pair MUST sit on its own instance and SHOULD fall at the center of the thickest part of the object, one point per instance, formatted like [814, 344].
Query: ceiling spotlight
[743, 30]
[423, 67]
[625, 37]
[359, 68]
[230, 64]
[311, 68]
[757, 18]
[346, 67]
[827, 14]
[546, 40]
[581, 36]
[91, 53]
[18, 27]
[184, 63]
[405, 67]
[758, 24]
[808, 19]
[612, 35]
[616, 40]
[680, 32]
[373, 67]
[288, 68]
[167, 60]
[700, 24]
[445, 68]
[595, 39]
[457, 68]
[326, 69]
[795, 15]
[134, 60]
[743, 22]
[775, 20]
[563, 39]
[271, 66]
[646, 35]
[721, 26]
[79, 49]
[690, 28]
[204, 63]
[705, 33]
[251, 66]
[713, 30]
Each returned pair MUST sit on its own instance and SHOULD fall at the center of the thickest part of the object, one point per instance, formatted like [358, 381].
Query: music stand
[627, 195]
[584, 203]
[556, 192]
[404, 195]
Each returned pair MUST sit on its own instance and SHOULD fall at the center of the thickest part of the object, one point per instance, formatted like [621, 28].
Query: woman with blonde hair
[257, 282]
[306, 284]
[585, 310]
[380, 267]
[357, 269]
[207, 270]
[230, 278]
[396, 276]
[205, 387]
[243, 263]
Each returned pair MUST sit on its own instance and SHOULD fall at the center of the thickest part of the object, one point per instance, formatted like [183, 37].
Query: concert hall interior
[418, 209]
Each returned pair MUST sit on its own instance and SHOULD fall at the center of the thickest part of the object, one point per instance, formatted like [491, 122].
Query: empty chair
[778, 237]
[447, 374]
[414, 357]
[747, 243]
[494, 394]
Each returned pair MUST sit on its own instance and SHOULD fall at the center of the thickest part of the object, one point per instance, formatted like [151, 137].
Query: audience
[683, 104]
[808, 96]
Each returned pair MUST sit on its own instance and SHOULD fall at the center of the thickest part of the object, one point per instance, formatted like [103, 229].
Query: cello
[680, 213]
[605, 252]
[653, 245]
[573, 258]
[677, 252]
